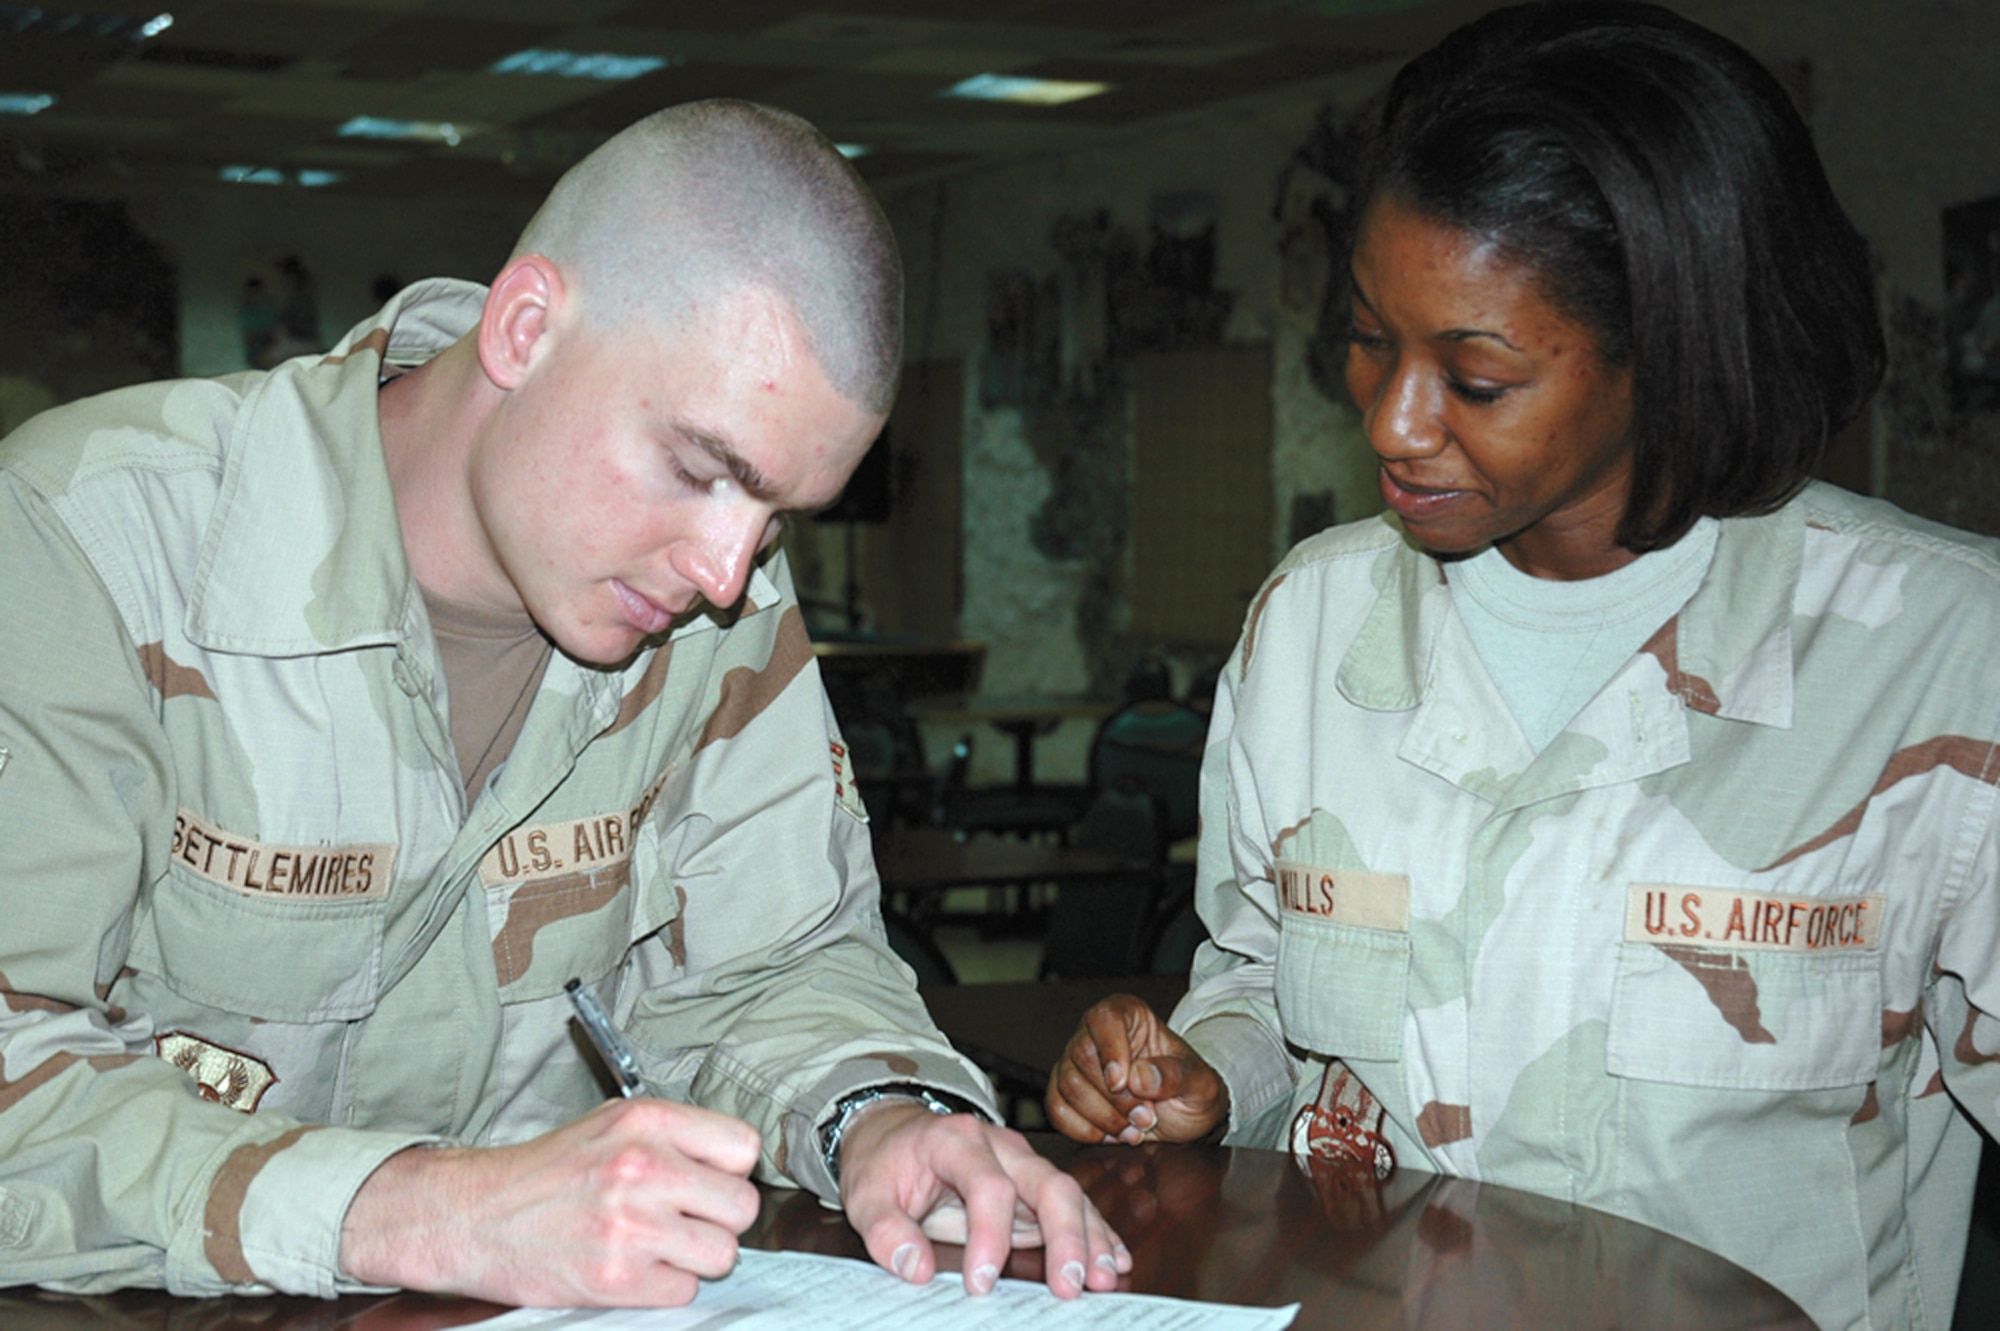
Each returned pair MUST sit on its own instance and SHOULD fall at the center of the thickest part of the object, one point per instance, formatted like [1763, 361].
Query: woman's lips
[644, 615]
[1414, 501]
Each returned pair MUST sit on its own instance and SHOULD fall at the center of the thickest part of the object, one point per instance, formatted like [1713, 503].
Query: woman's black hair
[1662, 187]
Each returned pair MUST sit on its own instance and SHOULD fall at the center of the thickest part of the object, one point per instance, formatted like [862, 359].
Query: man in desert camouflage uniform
[307, 826]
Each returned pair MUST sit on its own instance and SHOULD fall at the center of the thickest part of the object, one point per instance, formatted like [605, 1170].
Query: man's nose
[719, 563]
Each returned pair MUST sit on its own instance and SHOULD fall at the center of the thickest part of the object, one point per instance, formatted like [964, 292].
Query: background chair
[918, 950]
[1102, 927]
[886, 745]
[1040, 810]
[1156, 743]
[1177, 929]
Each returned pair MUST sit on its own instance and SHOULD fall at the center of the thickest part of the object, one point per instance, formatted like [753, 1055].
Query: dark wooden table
[1204, 1222]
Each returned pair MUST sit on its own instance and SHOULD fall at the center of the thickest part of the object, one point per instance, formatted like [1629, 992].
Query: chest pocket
[587, 897]
[1342, 988]
[1343, 958]
[1773, 1021]
[278, 959]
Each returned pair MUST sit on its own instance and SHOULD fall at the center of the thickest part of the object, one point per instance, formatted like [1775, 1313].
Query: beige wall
[1904, 99]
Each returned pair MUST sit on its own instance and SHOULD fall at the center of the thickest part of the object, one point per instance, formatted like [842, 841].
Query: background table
[1207, 1222]
[1015, 1030]
[919, 865]
[934, 859]
[913, 668]
[1025, 717]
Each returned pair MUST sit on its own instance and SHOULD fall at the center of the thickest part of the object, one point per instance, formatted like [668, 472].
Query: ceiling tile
[279, 76]
[258, 27]
[412, 46]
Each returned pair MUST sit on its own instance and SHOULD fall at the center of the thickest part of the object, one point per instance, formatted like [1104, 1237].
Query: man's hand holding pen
[639, 1200]
[634, 1204]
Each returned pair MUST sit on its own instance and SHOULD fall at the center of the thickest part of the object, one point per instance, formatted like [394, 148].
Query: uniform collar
[1729, 652]
[304, 554]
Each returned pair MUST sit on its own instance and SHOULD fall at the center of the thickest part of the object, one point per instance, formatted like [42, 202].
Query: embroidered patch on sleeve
[17, 1218]
[846, 787]
[1734, 921]
[1345, 896]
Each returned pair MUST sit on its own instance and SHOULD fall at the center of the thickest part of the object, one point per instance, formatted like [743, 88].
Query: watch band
[844, 1112]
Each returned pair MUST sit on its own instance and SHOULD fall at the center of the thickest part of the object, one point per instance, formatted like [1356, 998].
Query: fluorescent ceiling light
[271, 175]
[25, 103]
[253, 175]
[572, 65]
[1034, 92]
[46, 21]
[852, 150]
[429, 131]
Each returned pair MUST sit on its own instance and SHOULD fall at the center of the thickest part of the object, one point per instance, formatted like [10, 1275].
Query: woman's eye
[1477, 396]
[1356, 336]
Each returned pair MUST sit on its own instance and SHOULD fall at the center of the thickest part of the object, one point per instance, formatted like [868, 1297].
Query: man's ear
[516, 323]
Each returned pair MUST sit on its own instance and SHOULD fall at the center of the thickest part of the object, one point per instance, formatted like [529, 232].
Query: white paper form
[773, 1290]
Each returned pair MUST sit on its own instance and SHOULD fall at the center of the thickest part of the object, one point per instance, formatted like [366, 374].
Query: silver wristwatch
[937, 1102]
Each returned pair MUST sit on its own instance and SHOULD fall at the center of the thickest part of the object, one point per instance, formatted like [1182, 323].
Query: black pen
[605, 1039]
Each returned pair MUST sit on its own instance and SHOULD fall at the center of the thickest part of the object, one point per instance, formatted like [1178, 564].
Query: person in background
[351, 712]
[1616, 817]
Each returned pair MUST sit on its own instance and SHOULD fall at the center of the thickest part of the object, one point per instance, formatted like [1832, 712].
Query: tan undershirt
[493, 663]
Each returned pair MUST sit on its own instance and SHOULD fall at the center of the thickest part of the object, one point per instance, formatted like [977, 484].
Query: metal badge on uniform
[1343, 1125]
[1345, 896]
[846, 787]
[1727, 919]
[225, 1076]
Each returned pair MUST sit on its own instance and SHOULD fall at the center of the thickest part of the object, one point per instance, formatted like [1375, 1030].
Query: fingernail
[904, 1261]
[982, 1278]
[1106, 1262]
[1142, 1116]
[1123, 1256]
[1073, 1272]
[1111, 1074]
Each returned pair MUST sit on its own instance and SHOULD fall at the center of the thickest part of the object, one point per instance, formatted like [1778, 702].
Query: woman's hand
[1126, 1077]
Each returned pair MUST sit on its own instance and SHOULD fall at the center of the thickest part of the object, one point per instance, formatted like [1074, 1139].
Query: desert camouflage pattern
[1722, 957]
[254, 940]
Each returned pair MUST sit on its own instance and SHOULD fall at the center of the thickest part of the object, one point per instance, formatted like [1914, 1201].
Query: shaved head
[711, 198]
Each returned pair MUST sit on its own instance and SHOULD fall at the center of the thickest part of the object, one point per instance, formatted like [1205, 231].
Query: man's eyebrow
[739, 467]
